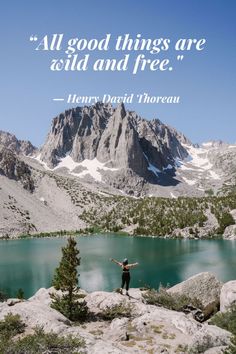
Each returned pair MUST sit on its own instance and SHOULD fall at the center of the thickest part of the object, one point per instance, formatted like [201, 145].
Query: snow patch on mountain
[91, 167]
[198, 157]
[208, 144]
[214, 175]
[38, 158]
[173, 196]
[191, 182]
[151, 167]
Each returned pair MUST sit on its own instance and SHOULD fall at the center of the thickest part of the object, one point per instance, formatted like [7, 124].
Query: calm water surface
[30, 263]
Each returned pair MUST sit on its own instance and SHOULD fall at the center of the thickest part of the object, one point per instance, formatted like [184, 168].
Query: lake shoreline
[71, 234]
[84, 233]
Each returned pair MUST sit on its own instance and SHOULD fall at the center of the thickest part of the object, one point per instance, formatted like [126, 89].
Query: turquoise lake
[30, 263]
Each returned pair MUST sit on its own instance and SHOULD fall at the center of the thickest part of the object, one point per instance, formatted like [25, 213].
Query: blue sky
[206, 81]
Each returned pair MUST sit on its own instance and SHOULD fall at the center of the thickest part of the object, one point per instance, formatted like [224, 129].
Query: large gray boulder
[35, 313]
[228, 295]
[210, 337]
[204, 287]
[230, 232]
[99, 301]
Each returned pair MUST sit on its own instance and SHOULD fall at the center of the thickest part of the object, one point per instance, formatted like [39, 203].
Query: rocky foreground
[146, 329]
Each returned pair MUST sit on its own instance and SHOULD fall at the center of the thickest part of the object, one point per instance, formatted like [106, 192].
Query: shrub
[227, 320]
[175, 302]
[77, 311]
[225, 220]
[116, 311]
[11, 326]
[232, 347]
[3, 296]
[41, 342]
[20, 294]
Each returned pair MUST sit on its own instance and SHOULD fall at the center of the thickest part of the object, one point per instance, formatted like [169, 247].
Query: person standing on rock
[125, 273]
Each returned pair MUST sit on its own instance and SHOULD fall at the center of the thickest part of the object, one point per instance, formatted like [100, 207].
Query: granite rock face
[14, 168]
[10, 142]
[205, 287]
[120, 139]
[139, 156]
[228, 295]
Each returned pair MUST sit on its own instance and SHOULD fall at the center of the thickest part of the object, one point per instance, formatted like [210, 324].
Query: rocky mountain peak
[116, 137]
[10, 142]
[120, 110]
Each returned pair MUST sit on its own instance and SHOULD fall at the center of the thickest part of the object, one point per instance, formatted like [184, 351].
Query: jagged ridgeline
[107, 168]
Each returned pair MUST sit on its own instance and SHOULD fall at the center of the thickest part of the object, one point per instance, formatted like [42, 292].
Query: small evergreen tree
[20, 294]
[66, 280]
[3, 296]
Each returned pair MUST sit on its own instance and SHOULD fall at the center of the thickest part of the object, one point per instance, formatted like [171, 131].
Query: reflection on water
[30, 264]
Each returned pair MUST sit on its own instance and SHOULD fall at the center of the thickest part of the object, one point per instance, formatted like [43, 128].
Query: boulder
[35, 313]
[216, 350]
[44, 295]
[230, 232]
[204, 287]
[13, 301]
[228, 295]
[98, 301]
[210, 337]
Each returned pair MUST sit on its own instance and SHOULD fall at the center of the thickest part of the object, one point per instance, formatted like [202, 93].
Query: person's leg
[127, 284]
[122, 283]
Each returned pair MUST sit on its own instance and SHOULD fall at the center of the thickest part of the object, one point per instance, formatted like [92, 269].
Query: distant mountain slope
[10, 142]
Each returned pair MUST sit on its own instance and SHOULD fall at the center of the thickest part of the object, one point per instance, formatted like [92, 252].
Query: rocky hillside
[140, 323]
[13, 168]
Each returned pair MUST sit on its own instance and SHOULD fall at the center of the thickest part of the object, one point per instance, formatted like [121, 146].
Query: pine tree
[20, 294]
[66, 280]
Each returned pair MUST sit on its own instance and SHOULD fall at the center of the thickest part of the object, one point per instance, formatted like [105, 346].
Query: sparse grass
[157, 328]
[96, 332]
[226, 320]
[175, 302]
[11, 326]
[116, 311]
[129, 343]
[168, 335]
[182, 349]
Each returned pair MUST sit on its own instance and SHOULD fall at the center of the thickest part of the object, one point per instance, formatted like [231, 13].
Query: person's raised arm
[115, 261]
[132, 265]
